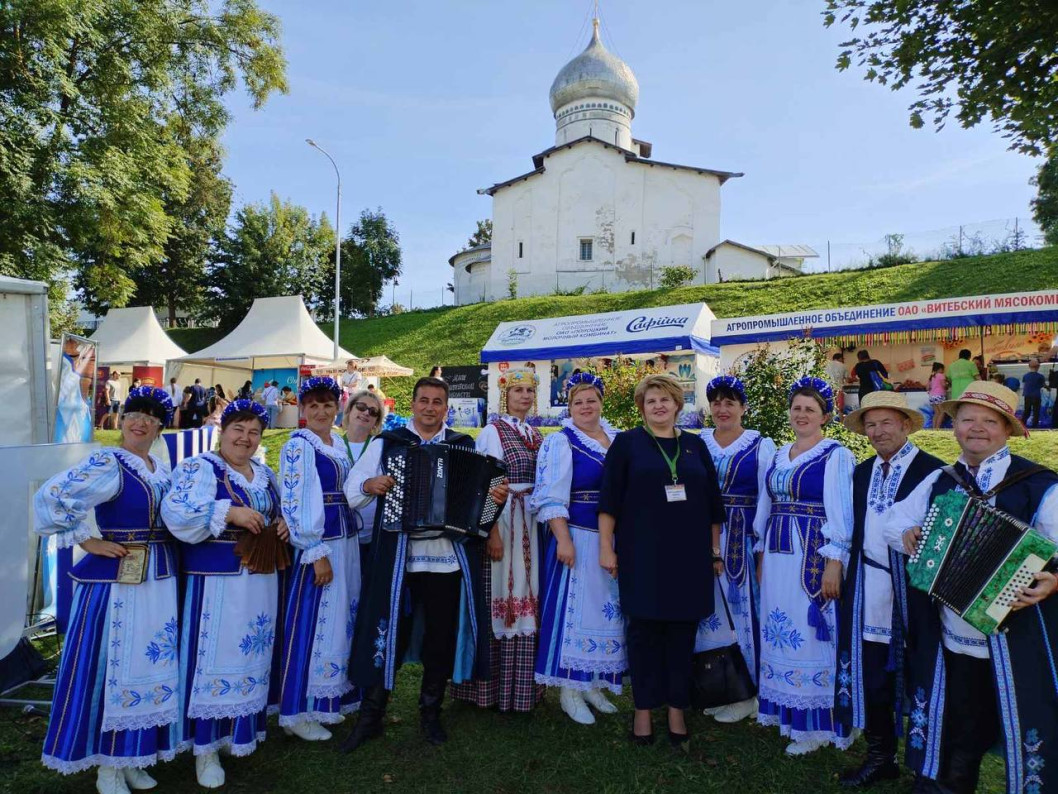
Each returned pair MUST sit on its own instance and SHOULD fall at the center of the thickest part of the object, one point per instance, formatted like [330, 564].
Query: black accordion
[440, 490]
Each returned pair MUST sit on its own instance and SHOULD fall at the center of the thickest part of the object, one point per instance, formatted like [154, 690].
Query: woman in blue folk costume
[805, 539]
[117, 694]
[325, 587]
[230, 615]
[742, 458]
[582, 643]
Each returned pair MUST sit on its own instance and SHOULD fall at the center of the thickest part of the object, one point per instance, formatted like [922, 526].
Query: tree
[676, 276]
[90, 91]
[481, 236]
[992, 58]
[620, 379]
[177, 280]
[271, 249]
[371, 256]
[1045, 205]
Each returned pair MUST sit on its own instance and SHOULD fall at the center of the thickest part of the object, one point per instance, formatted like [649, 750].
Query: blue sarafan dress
[117, 696]
[231, 618]
[319, 620]
[582, 642]
[810, 521]
[742, 467]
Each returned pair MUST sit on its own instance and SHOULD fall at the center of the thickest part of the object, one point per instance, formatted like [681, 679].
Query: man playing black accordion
[970, 692]
[431, 579]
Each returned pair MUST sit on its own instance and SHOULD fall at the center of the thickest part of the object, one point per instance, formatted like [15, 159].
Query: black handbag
[720, 676]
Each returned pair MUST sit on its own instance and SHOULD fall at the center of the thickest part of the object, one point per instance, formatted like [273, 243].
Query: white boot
[597, 699]
[573, 704]
[709, 712]
[737, 711]
[138, 779]
[109, 780]
[308, 730]
[208, 770]
[804, 746]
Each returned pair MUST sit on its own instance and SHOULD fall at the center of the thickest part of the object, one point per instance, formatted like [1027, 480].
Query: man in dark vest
[868, 692]
[970, 691]
[431, 578]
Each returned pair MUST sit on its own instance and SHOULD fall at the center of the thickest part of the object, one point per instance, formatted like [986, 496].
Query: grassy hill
[454, 335]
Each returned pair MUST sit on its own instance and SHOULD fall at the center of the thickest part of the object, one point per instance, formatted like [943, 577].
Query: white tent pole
[337, 244]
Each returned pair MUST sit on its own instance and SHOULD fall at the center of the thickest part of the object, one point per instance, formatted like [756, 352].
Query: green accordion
[974, 558]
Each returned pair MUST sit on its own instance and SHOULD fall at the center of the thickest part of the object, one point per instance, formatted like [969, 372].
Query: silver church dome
[596, 72]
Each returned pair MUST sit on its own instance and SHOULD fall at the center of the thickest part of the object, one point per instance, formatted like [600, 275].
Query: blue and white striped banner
[188, 443]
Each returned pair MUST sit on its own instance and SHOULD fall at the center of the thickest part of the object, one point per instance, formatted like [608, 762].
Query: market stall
[673, 338]
[909, 337]
[133, 342]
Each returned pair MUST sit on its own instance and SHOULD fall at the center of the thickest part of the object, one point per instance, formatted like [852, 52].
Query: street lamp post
[337, 244]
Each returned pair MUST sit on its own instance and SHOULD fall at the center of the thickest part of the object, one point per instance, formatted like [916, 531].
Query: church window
[585, 249]
[521, 249]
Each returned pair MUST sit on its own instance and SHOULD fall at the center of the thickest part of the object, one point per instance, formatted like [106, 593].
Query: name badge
[675, 493]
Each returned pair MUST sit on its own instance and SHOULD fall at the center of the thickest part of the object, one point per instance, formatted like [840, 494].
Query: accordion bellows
[264, 552]
[440, 489]
[974, 558]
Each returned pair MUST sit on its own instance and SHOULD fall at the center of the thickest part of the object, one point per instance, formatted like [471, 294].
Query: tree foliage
[992, 58]
[271, 249]
[96, 98]
[676, 276]
[620, 379]
[371, 256]
[482, 235]
[1045, 205]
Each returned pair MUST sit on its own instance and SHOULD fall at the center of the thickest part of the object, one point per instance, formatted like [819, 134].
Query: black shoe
[370, 725]
[640, 741]
[679, 740]
[870, 772]
[430, 700]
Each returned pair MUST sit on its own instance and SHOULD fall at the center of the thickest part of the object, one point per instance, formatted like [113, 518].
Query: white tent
[134, 336]
[277, 333]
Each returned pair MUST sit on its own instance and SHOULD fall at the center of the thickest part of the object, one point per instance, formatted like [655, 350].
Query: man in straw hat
[967, 690]
[868, 693]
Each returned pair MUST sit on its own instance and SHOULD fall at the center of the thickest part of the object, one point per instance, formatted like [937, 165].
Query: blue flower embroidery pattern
[380, 642]
[163, 650]
[779, 631]
[917, 736]
[845, 680]
[1033, 762]
[222, 686]
[611, 611]
[350, 624]
[261, 637]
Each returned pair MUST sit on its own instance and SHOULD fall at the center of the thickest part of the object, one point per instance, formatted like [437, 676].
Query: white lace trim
[834, 552]
[826, 737]
[739, 444]
[337, 451]
[580, 686]
[507, 634]
[585, 666]
[141, 722]
[329, 690]
[587, 440]
[71, 537]
[796, 701]
[322, 717]
[218, 519]
[222, 711]
[137, 464]
[225, 743]
[782, 457]
[545, 514]
[115, 762]
[260, 472]
[317, 552]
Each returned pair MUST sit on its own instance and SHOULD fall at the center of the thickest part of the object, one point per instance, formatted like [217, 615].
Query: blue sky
[422, 103]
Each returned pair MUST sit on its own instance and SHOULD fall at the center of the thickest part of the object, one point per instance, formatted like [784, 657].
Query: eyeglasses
[374, 413]
[136, 416]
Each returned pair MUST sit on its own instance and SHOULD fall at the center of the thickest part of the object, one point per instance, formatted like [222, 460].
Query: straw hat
[894, 401]
[991, 395]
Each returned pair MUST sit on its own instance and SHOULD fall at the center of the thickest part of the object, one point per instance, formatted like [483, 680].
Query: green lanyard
[670, 461]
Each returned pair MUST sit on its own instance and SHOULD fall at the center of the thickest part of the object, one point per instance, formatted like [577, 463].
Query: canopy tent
[134, 336]
[382, 367]
[277, 333]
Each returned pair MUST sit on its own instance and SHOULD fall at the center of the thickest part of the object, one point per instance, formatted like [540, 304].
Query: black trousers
[878, 686]
[437, 596]
[971, 720]
[659, 661]
[1032, 409]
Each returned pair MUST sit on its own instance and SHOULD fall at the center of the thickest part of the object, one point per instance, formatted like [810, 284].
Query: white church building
[598, 212]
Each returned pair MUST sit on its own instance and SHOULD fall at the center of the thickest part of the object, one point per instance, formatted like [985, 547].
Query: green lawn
[455, 335]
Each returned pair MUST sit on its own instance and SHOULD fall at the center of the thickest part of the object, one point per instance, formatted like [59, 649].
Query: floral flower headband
[727, 382]
[243, 406]
[819, 386]
[587, 379]
[163, 404]
[319, 384]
